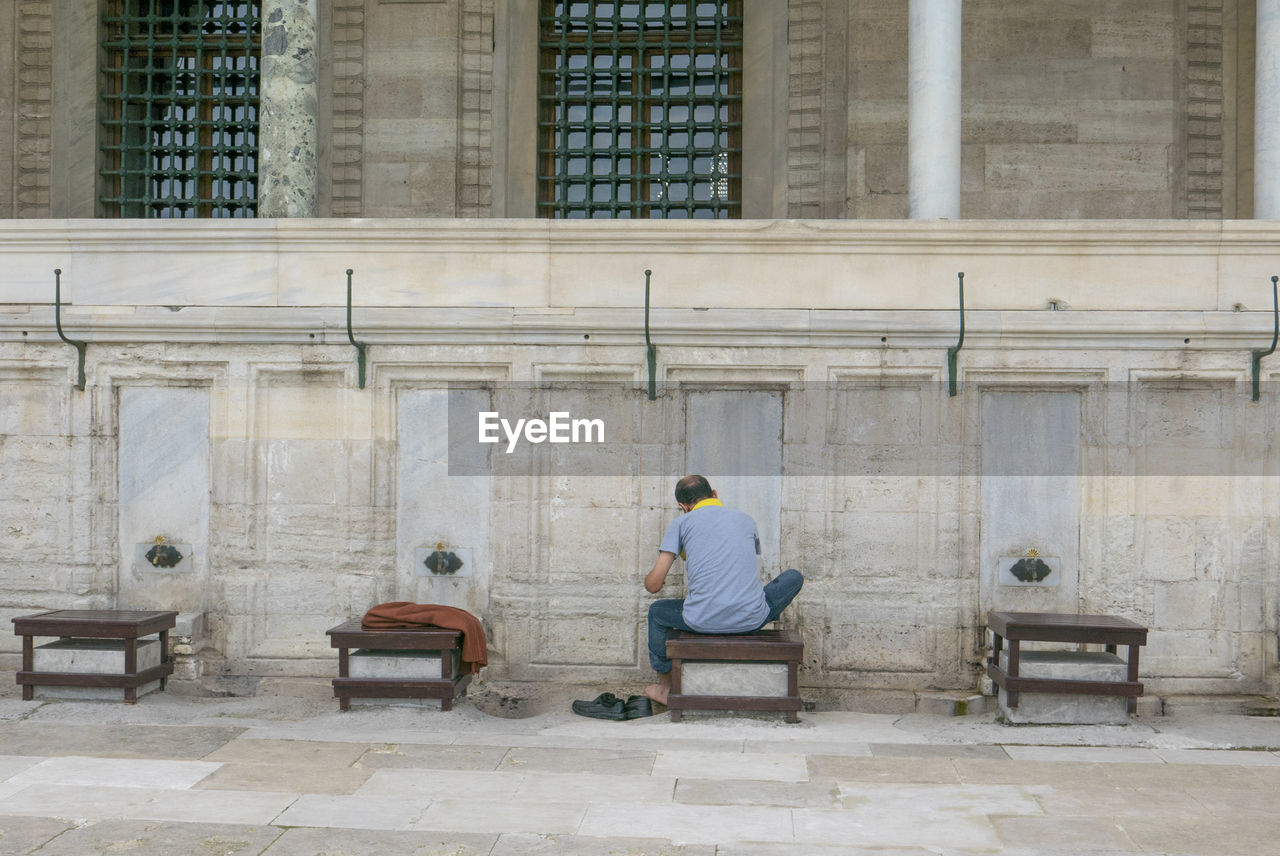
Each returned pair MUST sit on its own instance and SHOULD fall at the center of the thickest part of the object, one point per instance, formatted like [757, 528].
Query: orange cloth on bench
[402, 613]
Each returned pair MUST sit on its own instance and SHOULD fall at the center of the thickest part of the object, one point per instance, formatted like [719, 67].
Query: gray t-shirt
[721, 549]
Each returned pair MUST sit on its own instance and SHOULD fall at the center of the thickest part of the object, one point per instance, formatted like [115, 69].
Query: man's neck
[702, 503]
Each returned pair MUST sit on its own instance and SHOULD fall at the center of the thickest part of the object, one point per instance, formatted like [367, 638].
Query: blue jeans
[668, 614]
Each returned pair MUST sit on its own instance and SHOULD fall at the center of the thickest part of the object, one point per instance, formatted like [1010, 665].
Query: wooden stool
[764, 647]
[446, 643]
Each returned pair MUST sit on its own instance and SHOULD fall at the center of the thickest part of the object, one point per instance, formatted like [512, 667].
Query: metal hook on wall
[1258, 355]
[651, 350]
[953, 353]
[359, 346]
[57, 320]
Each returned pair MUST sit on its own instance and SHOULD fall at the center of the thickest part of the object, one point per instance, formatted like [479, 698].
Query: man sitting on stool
[721, 550]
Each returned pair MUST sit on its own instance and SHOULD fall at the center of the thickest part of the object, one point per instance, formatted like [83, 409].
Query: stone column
[287, 111]
[933, 99]
[1266, 114]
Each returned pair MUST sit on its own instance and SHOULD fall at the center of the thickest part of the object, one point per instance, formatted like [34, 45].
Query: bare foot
[657, 692]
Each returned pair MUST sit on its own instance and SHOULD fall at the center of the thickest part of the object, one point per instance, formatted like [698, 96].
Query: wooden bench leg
[131, 668]
[344, 665]
[28, 665]
[1013, 671]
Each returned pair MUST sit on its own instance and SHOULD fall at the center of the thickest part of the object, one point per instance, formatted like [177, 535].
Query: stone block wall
[1118, 441]
[1070, 110]
[1085, 109]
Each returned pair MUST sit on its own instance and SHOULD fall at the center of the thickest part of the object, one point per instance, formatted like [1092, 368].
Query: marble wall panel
[434, 507]
[734, 438]
[1031, 451]
[164, 492]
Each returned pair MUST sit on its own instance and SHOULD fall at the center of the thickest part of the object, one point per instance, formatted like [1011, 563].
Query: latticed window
[640, 109]
[180, 108]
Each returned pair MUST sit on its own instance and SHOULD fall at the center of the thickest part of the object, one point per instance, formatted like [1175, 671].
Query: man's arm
[653, 582]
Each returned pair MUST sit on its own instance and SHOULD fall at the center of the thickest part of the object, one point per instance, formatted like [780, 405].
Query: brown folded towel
[402, 613]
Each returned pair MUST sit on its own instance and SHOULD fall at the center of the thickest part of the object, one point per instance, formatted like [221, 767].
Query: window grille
[640, 109]
[180, 108]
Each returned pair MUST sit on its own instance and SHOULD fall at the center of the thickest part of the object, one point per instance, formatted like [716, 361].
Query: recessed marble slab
[690, 824]
[726, 765]
[1067, 708]
[95, 657]
[352, 812]
[545, 818]
[719, 678]
[116, 772]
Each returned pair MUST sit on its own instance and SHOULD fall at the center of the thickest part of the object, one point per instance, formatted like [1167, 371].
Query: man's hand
[653, 582]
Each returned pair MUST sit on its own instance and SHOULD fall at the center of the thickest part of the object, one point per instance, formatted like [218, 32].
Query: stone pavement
[285, 776]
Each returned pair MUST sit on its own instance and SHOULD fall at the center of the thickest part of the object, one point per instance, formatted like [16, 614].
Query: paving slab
[1076, 801]
[22, 835]
[621, 762]
[525, 844]
[115, 772]
[113, 741]
[545, 818]
[320, 752]
[536, 786]
[429, 757]
[1100, 754]
[918, 770]
[1225, 757]
[102, 803]
[160, 838]
[820, 794]
[1085, 833]
[915, 815]
[293, 778]
[993, 772]
[352, 812]
[688, 824]
[11, 765]
[427, 785]
[723, 765]
[928, 750]
[1240, 835]
[360, 842]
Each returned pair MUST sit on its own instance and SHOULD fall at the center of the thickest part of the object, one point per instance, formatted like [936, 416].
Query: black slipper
[637, 706]
[605, 706]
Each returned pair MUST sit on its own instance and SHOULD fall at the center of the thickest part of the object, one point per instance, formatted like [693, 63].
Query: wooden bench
[126, 624]
[761, 647]
[1107, 630]
[446, 643]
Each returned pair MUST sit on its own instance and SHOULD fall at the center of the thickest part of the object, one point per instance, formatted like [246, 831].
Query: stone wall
[1082, 109]
[1102, 419]
[1070, 109]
